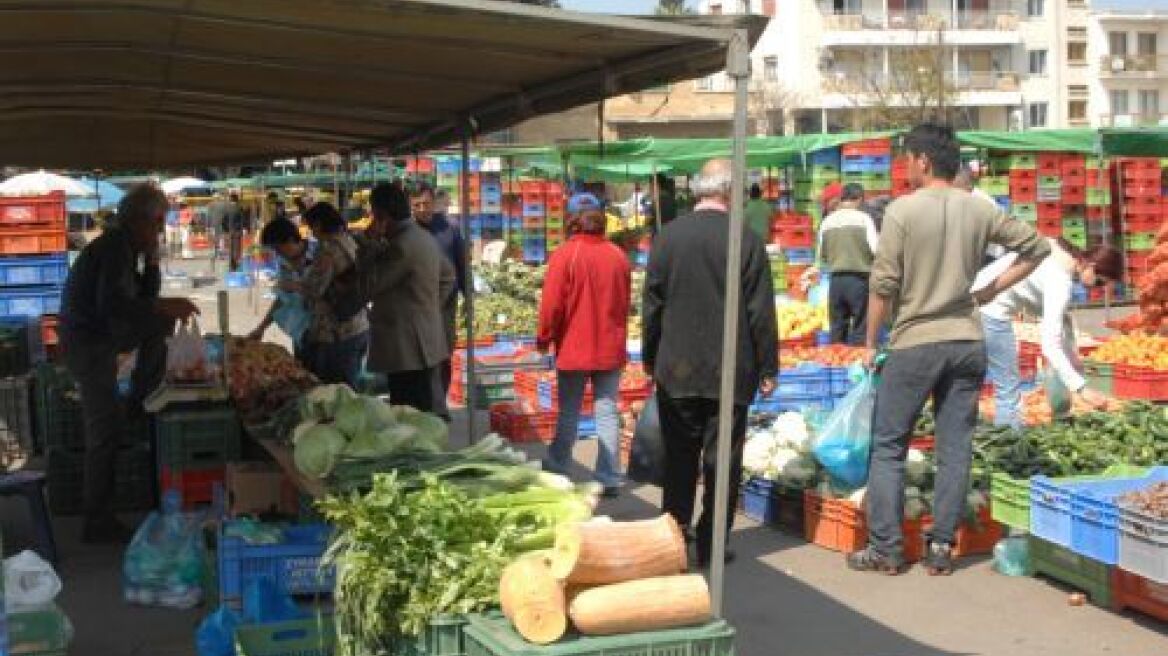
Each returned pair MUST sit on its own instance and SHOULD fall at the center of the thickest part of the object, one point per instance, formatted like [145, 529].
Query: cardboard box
[260, 488]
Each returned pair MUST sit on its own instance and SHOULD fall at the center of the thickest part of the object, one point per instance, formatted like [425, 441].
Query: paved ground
[783, 595]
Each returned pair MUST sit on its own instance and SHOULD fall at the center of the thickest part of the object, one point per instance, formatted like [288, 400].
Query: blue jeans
[605, 389]
[1002, 369]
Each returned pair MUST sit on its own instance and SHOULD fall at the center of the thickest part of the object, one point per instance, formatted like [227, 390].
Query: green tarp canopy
[1134, 142]
[1068, 141]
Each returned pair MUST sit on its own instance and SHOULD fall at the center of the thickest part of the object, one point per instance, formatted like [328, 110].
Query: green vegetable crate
[1065, 566]
[492, 635]
[43, 632]
[1100, 376]
[444, 636]
[198, 438]
[1010, 497]
[315, 636]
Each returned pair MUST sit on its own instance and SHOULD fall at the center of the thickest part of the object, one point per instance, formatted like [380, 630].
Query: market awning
[158, 83]
[1134, 142]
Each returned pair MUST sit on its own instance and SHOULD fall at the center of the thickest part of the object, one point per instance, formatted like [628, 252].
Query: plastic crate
[1139, 241]
[1138, 593]
[58, 409]
[1140, 383]
[47, 209]
[30, 301]
[15, 410]
[40, 632]
[292, 566]
[805, 380]
[133, 480]
[35, 270]
[1010, 497]
[443, 636]
[15, 347]
[315, 636]
[759, 502]
[1143, 544]
[1098, 197]
[196, 487]
[33, 240]
[493, 635]
[1067, 567]
[198, 439]
[1095, 516]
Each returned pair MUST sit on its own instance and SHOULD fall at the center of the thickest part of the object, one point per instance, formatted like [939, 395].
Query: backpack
[345, 295]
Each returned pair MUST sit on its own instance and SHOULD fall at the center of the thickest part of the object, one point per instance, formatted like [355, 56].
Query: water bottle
[1012, 556]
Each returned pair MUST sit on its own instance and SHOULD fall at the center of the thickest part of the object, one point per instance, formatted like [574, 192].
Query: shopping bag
[29, 582]
[186, 355]
[647, 456]
[163, 566]
[292, 315]
[845, 441]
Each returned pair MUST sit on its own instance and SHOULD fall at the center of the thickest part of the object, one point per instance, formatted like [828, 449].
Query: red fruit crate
[196, 486]
[1141, 189]
[839, 525]
[1098, 213]
[1049, 164]
[520, 424]
[1050, 228]
[795, 237]
[1137, 260]
[975, 537]
[792, 220]
[1050, 211]
[1140, 383]
[32, 241]
[868, 147]
[47, 210]
[1141, 176]
[1022, 176]
[1074, 194]
[1023, 192]
[1138, 593]
[1143, 222]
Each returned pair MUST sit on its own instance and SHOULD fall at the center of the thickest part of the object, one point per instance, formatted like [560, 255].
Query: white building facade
[1128, 55]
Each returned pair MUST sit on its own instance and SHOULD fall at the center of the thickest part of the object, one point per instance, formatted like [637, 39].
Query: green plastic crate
[41, 632]
[877, 182]
[1022, 160]
[995, 186]
[1140, 241]
[1074, 223]
[1010, 497]
[314, 636]
[487, 394]
[1098, 197]
[1065, 566]
[134, 480]
[1076, 236]
[1025, 211]
[492, 635]
[1100, 376]
[444, 636]
[198, 438]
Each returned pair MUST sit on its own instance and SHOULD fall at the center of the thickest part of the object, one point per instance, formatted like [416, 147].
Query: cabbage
[431, 428]
[321, 402]
[378, 413]
[364, 445]
[793, 466]
[317, 450]
[302, 428]
[350, 418]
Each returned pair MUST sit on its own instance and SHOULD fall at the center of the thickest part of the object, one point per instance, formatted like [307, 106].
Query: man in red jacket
[583, 314]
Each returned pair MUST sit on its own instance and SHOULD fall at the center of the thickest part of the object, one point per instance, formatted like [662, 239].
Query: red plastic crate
[1048, 210]
[1023, 192]
[47, 210]
[790, 220]
[1140, 176]
[520, 424]
[1049, 164]
[1143, 222]
[1098, 213]
[49, 323]
[1097, 177]
[1140, 383]
[1137, 260]
[795, 237]
[1142, 189]
[973, 538]
[1050, 226]
[1074, 194]
[852, 530]
[867, 147]
[32, 241]
[1138, 593]
[197, 486]
[1022, 176]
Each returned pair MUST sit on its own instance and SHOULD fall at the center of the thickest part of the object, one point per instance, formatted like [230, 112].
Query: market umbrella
[103, 196]
[175, 185]
[41, 183]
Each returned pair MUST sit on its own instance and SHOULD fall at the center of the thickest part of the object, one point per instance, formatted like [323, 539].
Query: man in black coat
[685, 288]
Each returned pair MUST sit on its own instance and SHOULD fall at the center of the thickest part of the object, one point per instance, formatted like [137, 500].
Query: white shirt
[1047, 293]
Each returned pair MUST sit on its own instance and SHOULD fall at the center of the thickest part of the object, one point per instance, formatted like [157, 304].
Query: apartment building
[1128, 64]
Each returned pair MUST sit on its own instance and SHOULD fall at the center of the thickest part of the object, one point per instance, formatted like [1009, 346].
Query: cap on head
[832, 192]
[852, 191]
[583, 202]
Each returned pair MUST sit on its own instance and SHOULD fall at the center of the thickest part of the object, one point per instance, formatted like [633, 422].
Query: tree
[772, 106]
[673, 8]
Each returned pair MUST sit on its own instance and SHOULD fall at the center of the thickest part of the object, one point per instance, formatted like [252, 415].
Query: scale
[211, 391]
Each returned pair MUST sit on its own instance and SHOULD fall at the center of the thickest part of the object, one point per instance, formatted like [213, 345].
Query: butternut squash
[598, 553]
[652, 604]
[533, 600]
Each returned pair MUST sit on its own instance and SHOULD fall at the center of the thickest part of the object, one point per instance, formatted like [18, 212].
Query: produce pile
[836, 355]
[1152, 501]
[263, 378]
[1153, 293]
[1135, 350]
[798, 319]
[508, 302]
[1036, 409]
[780, 451]
[1086, 444]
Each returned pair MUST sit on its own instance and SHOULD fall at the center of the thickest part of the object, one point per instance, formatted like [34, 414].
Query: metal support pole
[656, 198]
[468, 282]
[738, 67]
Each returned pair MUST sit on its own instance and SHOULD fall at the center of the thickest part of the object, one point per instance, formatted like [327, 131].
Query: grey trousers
[94, 363]
[952, 373]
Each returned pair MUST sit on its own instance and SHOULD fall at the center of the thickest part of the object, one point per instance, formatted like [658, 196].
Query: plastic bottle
[1012, 556]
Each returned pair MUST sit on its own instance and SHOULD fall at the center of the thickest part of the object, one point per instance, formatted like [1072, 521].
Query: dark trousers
[94, 364]
[337, 362]
[952, 373]
[235, 246]
[689, 427]
[421, 389]
[847, 299]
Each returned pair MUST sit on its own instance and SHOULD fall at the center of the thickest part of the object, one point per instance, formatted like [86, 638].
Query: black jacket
[684, 304]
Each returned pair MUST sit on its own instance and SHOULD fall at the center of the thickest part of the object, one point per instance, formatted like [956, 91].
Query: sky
[611, 6]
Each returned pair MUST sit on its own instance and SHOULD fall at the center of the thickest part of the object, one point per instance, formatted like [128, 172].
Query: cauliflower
[758, 453]
[791, 430]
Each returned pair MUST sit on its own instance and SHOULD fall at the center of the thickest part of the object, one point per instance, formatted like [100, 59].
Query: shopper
[684, 302]
[290, 310]
[111, 306]
[407, 282]
[451, 245]
[930, 250]
[338, 337]
[583, 314]
[758, 214]
[1046, 293]
[847, 242]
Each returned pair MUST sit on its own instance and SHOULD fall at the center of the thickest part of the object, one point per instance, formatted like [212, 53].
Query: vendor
[1046, 293]
[111, 306]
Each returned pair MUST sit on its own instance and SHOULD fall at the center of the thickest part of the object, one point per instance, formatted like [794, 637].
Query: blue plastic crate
[491, 206]
[759, 502]
[586, 427]
[1095, 515]
[1003, 203]
[37, 270]
[534, 210]
[1079, 293]
[778, 403]
[799, 256]
[805, 380]
[238, 280]
[827, 157]
[30, 301]
[1050, 511]
[292, 566]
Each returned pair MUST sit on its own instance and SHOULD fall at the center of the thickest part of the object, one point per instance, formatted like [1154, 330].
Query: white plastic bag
[29, 582]
[186, 355]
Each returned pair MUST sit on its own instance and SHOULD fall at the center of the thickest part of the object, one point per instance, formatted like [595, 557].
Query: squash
[597, 553]
[652, 604]
[533, 600]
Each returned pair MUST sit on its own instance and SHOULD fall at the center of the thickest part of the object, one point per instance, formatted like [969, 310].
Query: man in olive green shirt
[758, 214]
[931, 248]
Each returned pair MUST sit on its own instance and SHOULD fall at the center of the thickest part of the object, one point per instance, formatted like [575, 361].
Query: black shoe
[106, 531]
[611, 492]
[938, 560]
[727, 558]
[870, 560]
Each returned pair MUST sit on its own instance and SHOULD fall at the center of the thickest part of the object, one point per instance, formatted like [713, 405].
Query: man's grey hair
[707, 185]
[142, 202]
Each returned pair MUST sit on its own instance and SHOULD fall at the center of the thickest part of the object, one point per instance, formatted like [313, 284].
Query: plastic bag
[163, 565]
[216, 633]
[29, 582]
[846, 439]
[647, 457]
[186, 355]
[292, 316]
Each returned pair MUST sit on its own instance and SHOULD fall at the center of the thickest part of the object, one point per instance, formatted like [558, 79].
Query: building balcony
[956, 82]
[907, 27]
[1137, 120]
[1133, 67]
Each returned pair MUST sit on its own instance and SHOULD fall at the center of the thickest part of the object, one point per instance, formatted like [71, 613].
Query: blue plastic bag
[292, 316]
[163, 565]
[845, 440]
[216, 633]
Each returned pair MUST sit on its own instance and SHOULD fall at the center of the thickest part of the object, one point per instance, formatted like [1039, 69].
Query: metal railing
[1133, 120]
[858, 81]
[1112, 66]
[923, 20]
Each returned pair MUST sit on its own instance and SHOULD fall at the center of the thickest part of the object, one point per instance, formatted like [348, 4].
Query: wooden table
[282, 454]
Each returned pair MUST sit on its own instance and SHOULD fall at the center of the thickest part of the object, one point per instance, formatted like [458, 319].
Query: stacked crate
[901, 185]
[795, 234]
[195, 443]
[998, 188]
[822, 169]
[534, 215]
[869, 164]
[1071, 169]
[1141, 185]
[1022, 173]
[33, 257]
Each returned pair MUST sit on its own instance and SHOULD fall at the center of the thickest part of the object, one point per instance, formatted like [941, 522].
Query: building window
[1077, 4]
[704, 83]
[1038, 62]
[1146, 44]
[770, 69]
[716, 9]
[768, 8]
[1119, 105]
[1035, 8]
[1038, 115]
[1077, 110]
[1150, 105]
[1077, 53]
[1117, 43]
[1077, 90]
